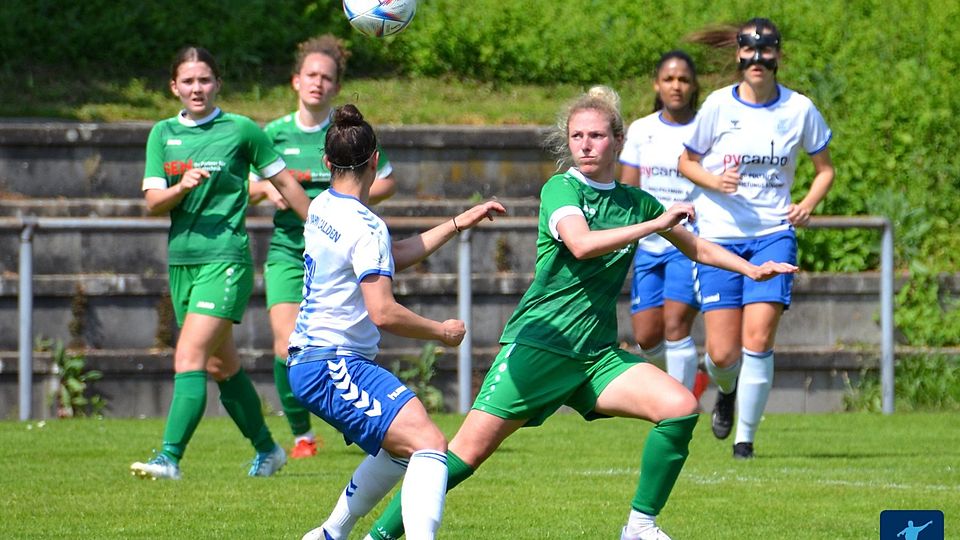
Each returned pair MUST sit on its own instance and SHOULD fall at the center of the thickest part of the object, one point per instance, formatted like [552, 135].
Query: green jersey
[209, 223]
[571, 306]
[302, 150]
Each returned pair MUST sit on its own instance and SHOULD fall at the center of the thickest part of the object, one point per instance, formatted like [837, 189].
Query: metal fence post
[886, 318]
[25, 308]
[465, 305]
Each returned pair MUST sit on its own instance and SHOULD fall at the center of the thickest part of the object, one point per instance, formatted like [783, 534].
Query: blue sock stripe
[681, 343]
[655, 350]
[731, 367]
[401, 462]
[760, 355]
[438, 456]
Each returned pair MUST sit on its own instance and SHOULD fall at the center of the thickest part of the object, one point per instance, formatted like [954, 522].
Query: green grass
[384, 101]
[816, 476]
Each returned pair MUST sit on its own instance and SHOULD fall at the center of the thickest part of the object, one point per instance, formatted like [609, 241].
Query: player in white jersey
[319, 66]
[743, 154]
[349, 264]
[663, 303]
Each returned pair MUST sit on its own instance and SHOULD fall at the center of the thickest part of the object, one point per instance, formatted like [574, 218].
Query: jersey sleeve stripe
[559, 214]
[273, 169]
[154, 182]
[822, 146]
[375, 272]
[695, 151]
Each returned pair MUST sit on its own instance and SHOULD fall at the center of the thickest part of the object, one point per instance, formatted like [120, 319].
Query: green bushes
[882, 74]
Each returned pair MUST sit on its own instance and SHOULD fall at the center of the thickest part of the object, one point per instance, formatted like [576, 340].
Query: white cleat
[653, 533]
[158, 468]
[268, 463]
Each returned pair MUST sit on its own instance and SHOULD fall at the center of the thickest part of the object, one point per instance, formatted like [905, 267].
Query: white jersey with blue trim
[762, 140]
[653, 146]
[345, 242]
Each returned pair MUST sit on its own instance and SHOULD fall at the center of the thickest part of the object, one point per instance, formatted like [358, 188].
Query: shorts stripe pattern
[356, 396]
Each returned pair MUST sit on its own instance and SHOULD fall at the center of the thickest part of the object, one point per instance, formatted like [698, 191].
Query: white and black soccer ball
[380, 18]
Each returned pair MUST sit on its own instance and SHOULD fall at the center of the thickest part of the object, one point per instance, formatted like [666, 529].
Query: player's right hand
[677, 213]
[453, 332]
[192, 179]
[729, 181]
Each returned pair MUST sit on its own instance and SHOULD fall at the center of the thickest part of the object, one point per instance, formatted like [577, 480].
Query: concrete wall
[119, 277]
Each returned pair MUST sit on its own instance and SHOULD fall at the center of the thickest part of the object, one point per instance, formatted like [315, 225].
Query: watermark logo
[911, 525]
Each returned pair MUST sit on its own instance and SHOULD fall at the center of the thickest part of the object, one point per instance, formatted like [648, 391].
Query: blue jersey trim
[697, 152]
[336, 193]
[823, 147]
[376, 272]
[771, 103]
[672, 124]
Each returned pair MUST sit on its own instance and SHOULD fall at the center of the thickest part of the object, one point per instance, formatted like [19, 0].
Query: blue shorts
[351, 393]
[722, 289]
[659, 276]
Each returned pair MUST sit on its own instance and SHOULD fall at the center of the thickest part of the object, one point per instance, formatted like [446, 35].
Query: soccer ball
[379, 18]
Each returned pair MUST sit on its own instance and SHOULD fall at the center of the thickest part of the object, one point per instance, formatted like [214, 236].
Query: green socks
[389, 526]
[241, 401]
[297, 415]
[664, 453]
[186, 409]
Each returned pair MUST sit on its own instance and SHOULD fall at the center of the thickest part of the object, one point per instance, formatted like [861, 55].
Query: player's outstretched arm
[706, 252]
[410, 251]
[388, 315]
[292, 192]
[585, 243]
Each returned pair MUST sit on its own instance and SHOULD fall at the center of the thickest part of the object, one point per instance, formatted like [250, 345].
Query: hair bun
[606, 94]
[347, 115]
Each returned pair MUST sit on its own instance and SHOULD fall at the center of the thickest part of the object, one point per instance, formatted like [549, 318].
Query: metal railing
[28, 225]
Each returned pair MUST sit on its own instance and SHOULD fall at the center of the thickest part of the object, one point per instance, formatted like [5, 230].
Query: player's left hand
[484, 210]
[772, 269]
[798, 215]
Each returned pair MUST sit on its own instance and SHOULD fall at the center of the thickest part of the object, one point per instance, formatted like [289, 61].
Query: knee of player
[429, 439]
[680, 403]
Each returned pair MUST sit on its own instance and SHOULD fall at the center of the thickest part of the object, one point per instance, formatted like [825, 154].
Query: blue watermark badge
[911, 525]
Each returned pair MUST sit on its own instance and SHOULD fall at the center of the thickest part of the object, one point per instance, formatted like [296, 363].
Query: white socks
[638, 522]
[423, 492]
[682, 361]
[756, 379]
[371, 481]
[308, 436]
[726, 378]
[656, 355]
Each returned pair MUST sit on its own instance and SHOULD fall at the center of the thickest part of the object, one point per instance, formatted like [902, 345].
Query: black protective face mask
[758, 41]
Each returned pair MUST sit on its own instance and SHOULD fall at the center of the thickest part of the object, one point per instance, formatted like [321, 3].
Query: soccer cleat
[743, 450]
[303, 449]
[159, 468]
[721, 422]
[653, 533]
[268, 463]
[317, 534]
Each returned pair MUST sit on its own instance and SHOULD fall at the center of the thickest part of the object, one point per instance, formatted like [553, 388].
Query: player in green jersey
[560, 346]
[196, 170]
[319, 66]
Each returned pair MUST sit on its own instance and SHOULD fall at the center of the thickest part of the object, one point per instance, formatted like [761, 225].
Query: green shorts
[529, 383]
[220, 289]
[283, 279]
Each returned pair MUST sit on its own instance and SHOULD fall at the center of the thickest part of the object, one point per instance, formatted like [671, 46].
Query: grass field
[816, 476]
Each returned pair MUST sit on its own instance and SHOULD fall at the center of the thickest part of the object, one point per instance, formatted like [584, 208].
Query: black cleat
[743, 450]
[721, 422]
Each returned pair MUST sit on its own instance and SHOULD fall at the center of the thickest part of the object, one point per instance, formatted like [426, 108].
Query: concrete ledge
[44, 133]
[139, 382]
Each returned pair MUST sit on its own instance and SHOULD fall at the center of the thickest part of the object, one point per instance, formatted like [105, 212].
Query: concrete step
[130, 310]
[510, 242]
[138, 382]
[69, 159]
